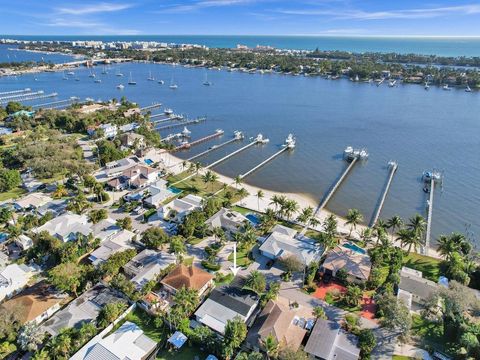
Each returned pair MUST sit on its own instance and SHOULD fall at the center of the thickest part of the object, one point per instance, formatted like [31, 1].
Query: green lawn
[401, 357]
[242, 257]
[430, 267]
[244, 211]
[188, 261]
[12, 194]
[195, 185]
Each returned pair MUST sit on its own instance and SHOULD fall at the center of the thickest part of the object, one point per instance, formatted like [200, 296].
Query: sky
[241, 17]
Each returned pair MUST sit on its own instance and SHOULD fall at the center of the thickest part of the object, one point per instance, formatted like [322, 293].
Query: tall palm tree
[255, 282]
[408, 238]
[354, 218]
[366, 235]
[259, 195]
[305, 215]
[418, 225]
[276, 201]
[394, 223]
[289, 208]
[330, 225]
[238, 181]
[242, 192]
[213, 180]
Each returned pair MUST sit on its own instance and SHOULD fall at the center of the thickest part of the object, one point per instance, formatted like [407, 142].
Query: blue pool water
[174, 190]
[254, 219]
[354, 248]
[148, 161]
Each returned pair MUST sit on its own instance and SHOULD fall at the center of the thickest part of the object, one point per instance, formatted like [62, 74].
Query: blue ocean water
[10, 53]
[445, 46]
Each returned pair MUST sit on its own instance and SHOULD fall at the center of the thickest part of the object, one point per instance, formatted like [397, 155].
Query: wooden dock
[264, 162]
[54, 104]
[216, 134]
[393, 168]
[216, 147]
[151, 107]
[5, 93]
[180, 124]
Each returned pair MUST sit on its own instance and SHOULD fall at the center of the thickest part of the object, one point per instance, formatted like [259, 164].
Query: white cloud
[421, 13]
[203, 4]
[93, 8]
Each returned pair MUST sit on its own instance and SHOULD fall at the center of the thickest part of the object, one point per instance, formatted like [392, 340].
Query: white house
[127, 342]
[229, 220]
[31, 201]
[159, 192]
[109, 130]
[177, 209]
[118, 242]
[284, 241]
[147, 265]
[66, 227]
[24, 242]
[14, 278]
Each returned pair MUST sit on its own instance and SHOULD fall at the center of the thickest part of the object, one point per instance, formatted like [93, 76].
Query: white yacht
[290, 141]
[98, 81]
[186, 132]
[427, 86]
[161, 82]
[120, 87]
[446, 87]
[168, 111]
[260, 139]
[71, 73]
[468, 89]
[392, 83]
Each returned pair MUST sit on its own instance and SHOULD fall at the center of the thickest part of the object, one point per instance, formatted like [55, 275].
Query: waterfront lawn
[245, 211]
[146, 323]
[195, 185]
[401, 357]
[430, 267]
[187, 352]
[12, 194]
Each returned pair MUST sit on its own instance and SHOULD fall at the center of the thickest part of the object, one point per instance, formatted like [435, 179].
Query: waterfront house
[129, 140]
[36, 303]
[414, 289]
[230, 221]
[67, 227]
[118, 242]
[356, 264]
[109, 130]
[31, 201]
[147, 265]
[83, 309]
[278, 321]
[137, 176]
[284, 241]
[177, 209]
[159, 192]
[14, 278]
[328, 341]
[116, 168]
[226, 303]
[127, 342]
[190, 277]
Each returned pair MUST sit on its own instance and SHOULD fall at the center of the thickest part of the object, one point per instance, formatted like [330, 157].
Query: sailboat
[206, 82]
[468, 89]
[173, 86]
[427, 86]
[131, 81]
[104, 71]
[118, 74]
[150, 77]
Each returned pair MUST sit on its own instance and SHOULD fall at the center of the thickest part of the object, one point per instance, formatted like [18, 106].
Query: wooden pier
[430, 178]
[13, 97]
[151, 107]
[393, 168]
[4, 93]
[31, 98]
[216, 147]
[180, 124]
[54, 104]
[264, 162]
[188, 145]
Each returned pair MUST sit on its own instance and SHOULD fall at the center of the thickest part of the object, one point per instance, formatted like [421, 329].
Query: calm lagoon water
[421, 130]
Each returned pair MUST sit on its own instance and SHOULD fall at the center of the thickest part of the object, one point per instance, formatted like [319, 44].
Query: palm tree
[417, 224]
[353, 295]
[448, 245]
[289, 208]
[197, 166]
[184, 165]
[255, 282]
[242, 192]
[305, 215]
[330, 225]
[270, 345]
[219, 234]
[319, 312]
[276, 200]
[408, 238]
[394, 223]
[213, 180]
[60, 192]
[366, 235]
[259, 195]
[354, 218]
[238, 181]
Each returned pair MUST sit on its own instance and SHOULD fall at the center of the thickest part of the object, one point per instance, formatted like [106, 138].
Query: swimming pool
[174, 190]
[254, 219]
[355, 248]
[148, 161]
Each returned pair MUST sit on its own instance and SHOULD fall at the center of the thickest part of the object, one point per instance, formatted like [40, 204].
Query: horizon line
[265, 35]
